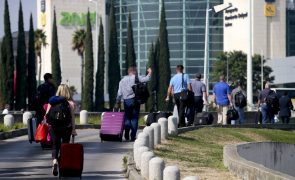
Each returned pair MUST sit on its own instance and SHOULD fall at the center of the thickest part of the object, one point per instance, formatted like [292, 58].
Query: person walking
[179, 83]
[61, 129]
[131, 105]
[44, 92]
[222, 98]
[285, 108]
[265, 106]
[200, 98]
[239, 101]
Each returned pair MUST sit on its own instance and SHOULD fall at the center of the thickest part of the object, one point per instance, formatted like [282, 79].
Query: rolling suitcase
[203, 118]
[112, 126]
[32, 126]
[71, 159]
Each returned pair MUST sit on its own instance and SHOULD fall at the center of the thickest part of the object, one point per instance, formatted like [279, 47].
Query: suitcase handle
[73, 139]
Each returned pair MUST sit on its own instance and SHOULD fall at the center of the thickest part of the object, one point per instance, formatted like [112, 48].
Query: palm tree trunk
[82, 76]
[40, 65]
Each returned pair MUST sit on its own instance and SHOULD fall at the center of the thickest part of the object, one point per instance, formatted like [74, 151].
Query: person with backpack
[239, 100]
[222, 98]
[285, 108]
[131, 103]
[268, 103]
[44, 92]
[60, 116]
[179, 87]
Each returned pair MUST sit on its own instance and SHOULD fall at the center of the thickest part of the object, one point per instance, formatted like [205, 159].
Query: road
[21, 160]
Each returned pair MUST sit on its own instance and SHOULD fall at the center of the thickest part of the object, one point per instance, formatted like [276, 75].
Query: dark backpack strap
[136, 79]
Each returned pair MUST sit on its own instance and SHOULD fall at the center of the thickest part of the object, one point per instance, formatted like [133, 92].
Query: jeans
[241, 114]
[131, 116]
[181, 109]
[267, 113]
[59, 135]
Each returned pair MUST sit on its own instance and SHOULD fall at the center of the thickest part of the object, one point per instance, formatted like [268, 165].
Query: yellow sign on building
[43, 19]
[269, 9]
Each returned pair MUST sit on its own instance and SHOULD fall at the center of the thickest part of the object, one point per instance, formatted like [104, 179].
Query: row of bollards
[150, 166]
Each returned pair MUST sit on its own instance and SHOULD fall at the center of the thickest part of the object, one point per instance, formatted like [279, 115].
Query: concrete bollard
[175, 113]
[137, 144]
[8, 120]
[83, 117]
[191, 178]
[171, 173]
[156, 167]
[145, 118]
[26, 116]
[150, 131]
[164, 128]
[102, 114]
[145, 138]
[144, 167]
[140, 151]
[172, 125]
[157, 133]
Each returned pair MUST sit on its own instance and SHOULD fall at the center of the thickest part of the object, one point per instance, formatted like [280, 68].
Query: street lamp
[216, 9]
[96, 28]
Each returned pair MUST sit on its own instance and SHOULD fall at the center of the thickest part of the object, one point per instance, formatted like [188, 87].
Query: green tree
[87, 101]
[99, 88]
[21, 64]
[55, 58]
[78, 44]
[32, 83]
[113, 64]
[7, 63]
[164, 62]
[130, 58]
[237, 68]
[40, 41]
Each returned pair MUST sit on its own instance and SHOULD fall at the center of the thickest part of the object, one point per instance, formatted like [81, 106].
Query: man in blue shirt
[222, 98]
[178, 83]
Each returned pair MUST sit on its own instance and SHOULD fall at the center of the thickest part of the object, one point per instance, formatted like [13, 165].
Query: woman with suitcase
[60, 116]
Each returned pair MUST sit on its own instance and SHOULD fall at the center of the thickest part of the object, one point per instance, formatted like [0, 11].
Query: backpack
[272, 101]
[141, 91]
[240, 99]
[232, 114]
[59, 114]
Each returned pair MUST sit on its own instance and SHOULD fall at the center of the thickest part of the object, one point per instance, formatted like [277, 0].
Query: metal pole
[206, 50]
[227, 69]
[262, 59]
[249, 62]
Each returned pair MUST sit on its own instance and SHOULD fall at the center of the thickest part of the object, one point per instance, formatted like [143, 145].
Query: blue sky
[29, 6]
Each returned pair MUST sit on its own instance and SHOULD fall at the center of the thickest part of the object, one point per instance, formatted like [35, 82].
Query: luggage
[41, 133]
[240, 99]
[71, 159]
[203, 118]
[32, 126]
[112, 126]
[232, 114]
[155, 116]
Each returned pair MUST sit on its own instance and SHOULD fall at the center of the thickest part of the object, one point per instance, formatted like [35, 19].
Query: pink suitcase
[112, 126]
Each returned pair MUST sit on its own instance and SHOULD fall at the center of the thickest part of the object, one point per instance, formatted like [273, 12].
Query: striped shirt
[125, 90]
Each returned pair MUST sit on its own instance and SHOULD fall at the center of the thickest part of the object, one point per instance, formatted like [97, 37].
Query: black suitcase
[232, 114]
[203, 118]
[32, 126]
[155, 116]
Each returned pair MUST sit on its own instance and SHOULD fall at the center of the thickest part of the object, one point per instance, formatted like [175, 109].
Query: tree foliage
[113, 64]
[55, 57]
[7, 63]
[32, 83]
[87, 101]
[99, 89]
[237, 61]
[164, 62]
[130, 58]
[21, 64]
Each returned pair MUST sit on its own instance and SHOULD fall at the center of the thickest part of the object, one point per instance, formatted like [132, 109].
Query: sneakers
[54, 168]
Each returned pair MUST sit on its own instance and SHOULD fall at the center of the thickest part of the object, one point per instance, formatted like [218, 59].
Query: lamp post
[96, 30]
[216, 9]
[249, 62]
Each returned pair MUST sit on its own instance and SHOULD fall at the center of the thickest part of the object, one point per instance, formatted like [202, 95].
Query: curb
[132, 173]
[13, 133]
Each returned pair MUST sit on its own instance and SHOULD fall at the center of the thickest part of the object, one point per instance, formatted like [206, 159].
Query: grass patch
[201, 152]
[14, 127]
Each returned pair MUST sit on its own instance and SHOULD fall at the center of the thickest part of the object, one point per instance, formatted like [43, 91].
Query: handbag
[41, 133]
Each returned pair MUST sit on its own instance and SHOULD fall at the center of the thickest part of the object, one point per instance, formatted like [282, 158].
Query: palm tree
[79, 46]
[40, 41]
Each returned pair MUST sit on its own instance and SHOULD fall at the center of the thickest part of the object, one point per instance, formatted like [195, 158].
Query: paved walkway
[21, 160]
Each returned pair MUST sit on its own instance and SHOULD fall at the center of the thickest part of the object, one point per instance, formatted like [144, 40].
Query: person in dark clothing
[44, 92]
[265, 109]
[178, 83]
[285, 108]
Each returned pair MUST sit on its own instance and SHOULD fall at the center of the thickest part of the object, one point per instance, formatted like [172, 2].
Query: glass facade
[290, 32]
[186, 31]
